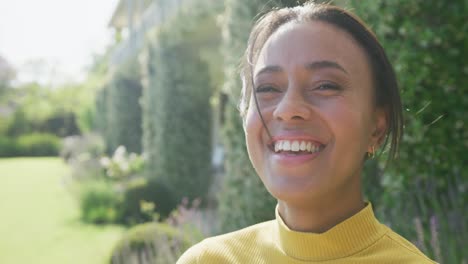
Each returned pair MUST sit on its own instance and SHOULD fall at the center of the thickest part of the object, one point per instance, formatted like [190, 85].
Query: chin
[295, 189]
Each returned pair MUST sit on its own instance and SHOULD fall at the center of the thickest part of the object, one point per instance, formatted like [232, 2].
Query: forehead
[302, 43]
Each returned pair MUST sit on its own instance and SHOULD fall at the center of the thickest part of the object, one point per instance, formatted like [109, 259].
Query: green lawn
[39, 220]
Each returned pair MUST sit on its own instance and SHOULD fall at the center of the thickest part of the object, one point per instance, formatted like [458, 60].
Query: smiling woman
[319, 97]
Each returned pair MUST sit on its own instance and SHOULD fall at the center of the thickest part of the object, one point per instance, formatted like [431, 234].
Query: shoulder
[228, 247]
[398, 247]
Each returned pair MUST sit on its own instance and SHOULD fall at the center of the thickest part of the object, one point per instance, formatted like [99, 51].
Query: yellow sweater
[359, 239]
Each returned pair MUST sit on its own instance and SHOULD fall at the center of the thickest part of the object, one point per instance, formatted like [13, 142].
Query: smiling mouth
[296, 147]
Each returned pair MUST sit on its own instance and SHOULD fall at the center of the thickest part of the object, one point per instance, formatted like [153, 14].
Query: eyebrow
[325, 64]
[311, 66]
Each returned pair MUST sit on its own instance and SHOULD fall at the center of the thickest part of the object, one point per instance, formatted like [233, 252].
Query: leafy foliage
[141, 191]
[35, 144]
[101, 107]
[111, 189]
[425, 44]
[124, 111]
[425, 41]
[36, 108]
[176, 110]
[98, 202]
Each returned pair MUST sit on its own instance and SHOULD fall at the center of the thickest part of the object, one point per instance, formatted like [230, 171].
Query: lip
[288, 159]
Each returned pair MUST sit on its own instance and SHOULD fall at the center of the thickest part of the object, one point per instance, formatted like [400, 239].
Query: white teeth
[295, 146]
[303, 146]
[286, 145]
[309, 146]
[278, 146]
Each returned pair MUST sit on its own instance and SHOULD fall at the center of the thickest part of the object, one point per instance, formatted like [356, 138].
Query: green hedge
[36, 144]
[8, 147]
[426, 42]
[145, 191]
[101, 124]
[61, 124]
[99, 202]
[123, 118]
[118, 115]
[176, 109]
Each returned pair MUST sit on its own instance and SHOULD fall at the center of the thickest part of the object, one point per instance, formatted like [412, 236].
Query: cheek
[253, 127]
[350, 125]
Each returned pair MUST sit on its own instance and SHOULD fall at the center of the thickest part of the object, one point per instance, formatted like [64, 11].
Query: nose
[292, 106]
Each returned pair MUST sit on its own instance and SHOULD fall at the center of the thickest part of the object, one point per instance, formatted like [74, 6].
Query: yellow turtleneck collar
[348, 237]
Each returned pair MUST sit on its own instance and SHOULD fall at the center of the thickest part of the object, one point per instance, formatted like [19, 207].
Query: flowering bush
[161, 242]
[150, 243]
[82, 154]
[90, 145]
[122, 164]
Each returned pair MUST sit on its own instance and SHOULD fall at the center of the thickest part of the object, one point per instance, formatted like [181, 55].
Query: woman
[319, 98]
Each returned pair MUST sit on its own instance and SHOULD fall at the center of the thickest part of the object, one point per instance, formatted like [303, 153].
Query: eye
[328, 87]
[267, 89]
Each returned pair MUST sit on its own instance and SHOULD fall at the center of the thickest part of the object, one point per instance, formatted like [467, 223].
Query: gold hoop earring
[371, 154]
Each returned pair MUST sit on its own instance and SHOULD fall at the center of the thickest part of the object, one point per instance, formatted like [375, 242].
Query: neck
[321, 216]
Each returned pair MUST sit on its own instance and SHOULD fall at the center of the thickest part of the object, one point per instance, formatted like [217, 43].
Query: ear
[380, 128]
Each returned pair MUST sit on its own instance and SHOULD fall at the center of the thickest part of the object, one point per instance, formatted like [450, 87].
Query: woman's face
[314, 89]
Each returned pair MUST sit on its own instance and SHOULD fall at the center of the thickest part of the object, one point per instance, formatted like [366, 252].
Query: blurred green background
[146, 155]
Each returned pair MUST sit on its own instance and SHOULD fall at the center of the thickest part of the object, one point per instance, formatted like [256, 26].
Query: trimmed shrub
[37, 144]
[4, 124]
[177, 111]
[20, 124]
[8, 147]
[61, 124]
[102, 111]
[150, 243]
[141, 191]
[98, 202]
[123, 118]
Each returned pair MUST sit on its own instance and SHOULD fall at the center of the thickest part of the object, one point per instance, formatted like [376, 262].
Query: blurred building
[132, 19]
[7, 72]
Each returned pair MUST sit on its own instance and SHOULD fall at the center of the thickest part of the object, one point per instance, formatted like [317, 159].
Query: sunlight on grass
[40, 220]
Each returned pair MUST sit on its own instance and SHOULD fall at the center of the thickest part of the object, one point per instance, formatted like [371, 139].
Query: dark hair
[384, 80]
